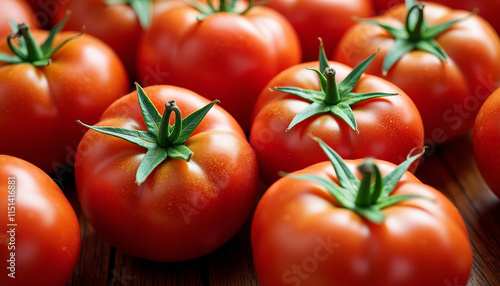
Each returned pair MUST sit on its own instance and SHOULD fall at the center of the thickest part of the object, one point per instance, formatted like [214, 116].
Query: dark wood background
[450, 168]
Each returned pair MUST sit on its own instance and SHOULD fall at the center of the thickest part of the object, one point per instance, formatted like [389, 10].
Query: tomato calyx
[28, 51]
[416, 35]
[224, 6]
[142, 8]
[161, 139]
[368, 196]
[335, 98]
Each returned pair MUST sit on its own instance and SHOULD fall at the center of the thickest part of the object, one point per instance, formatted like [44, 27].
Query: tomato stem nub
[363, 199]
[332, 94]
[166, 138]
[34, 52]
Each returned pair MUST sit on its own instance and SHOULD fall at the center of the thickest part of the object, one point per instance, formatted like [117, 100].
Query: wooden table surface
[450, 168]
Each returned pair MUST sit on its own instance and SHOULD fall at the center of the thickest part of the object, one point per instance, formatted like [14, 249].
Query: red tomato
[302, 235]
[39, 105]
[226, 55]
[388, 127]
[17, 11]
[447, 93]
[488, 9]
[319, 18]
[183, 209]
[39, 231]
[115, 24]
[486, 141]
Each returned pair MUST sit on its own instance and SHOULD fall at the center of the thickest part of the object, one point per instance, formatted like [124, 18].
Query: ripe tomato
[315, 228]
[387, 127]
[39, 231]
[40, 102]
[221, 55]
[447, 70]
[319, 18]
[17, 11]
[116, 24]
[486, 138]
[187, 206]
[488, 9]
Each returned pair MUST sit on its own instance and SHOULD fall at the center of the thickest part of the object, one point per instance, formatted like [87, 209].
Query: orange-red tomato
[226, 56]
[39, 105]
[488, 9]
[447, 93]
[116, 24]
[39, 230]
[183, 210]
[301, 236]
[389, 127]
[486, 141]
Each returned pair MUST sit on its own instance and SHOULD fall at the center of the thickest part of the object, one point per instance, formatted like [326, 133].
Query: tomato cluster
[328, 106]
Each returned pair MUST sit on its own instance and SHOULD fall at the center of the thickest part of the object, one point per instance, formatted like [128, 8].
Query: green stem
[165, 138]
[415, 33]
[222, 7]
[363, 198]
[35, 53]
[332, 90]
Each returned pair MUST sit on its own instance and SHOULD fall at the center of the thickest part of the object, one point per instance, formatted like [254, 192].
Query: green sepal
[367, 197]
[28, 51]
[190, 122]
[143, 139]
[416, 35]
[225, 6]
[161, 139]
[334, 98]
[142, 8]
[152, 118]
[154, 157]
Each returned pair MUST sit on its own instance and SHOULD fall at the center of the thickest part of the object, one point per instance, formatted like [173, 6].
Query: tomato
[39, 230]
[17, 11]
[190, 201]
[387, 127]
[318, 18]
[226, 55]
[485, 8]
[326, 226]
[448, 72]
[486, 138]
[40, 102]
[116, 24]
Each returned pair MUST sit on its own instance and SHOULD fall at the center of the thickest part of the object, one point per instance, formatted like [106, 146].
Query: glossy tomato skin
[115, 24]
[447, 94]
[389, 127]
[318, 18]
[301, 236]
[44, 234]
[39, 106]
[486, 138]
[184, 209]
[18, 11]
[225, 56]
[484, 8]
